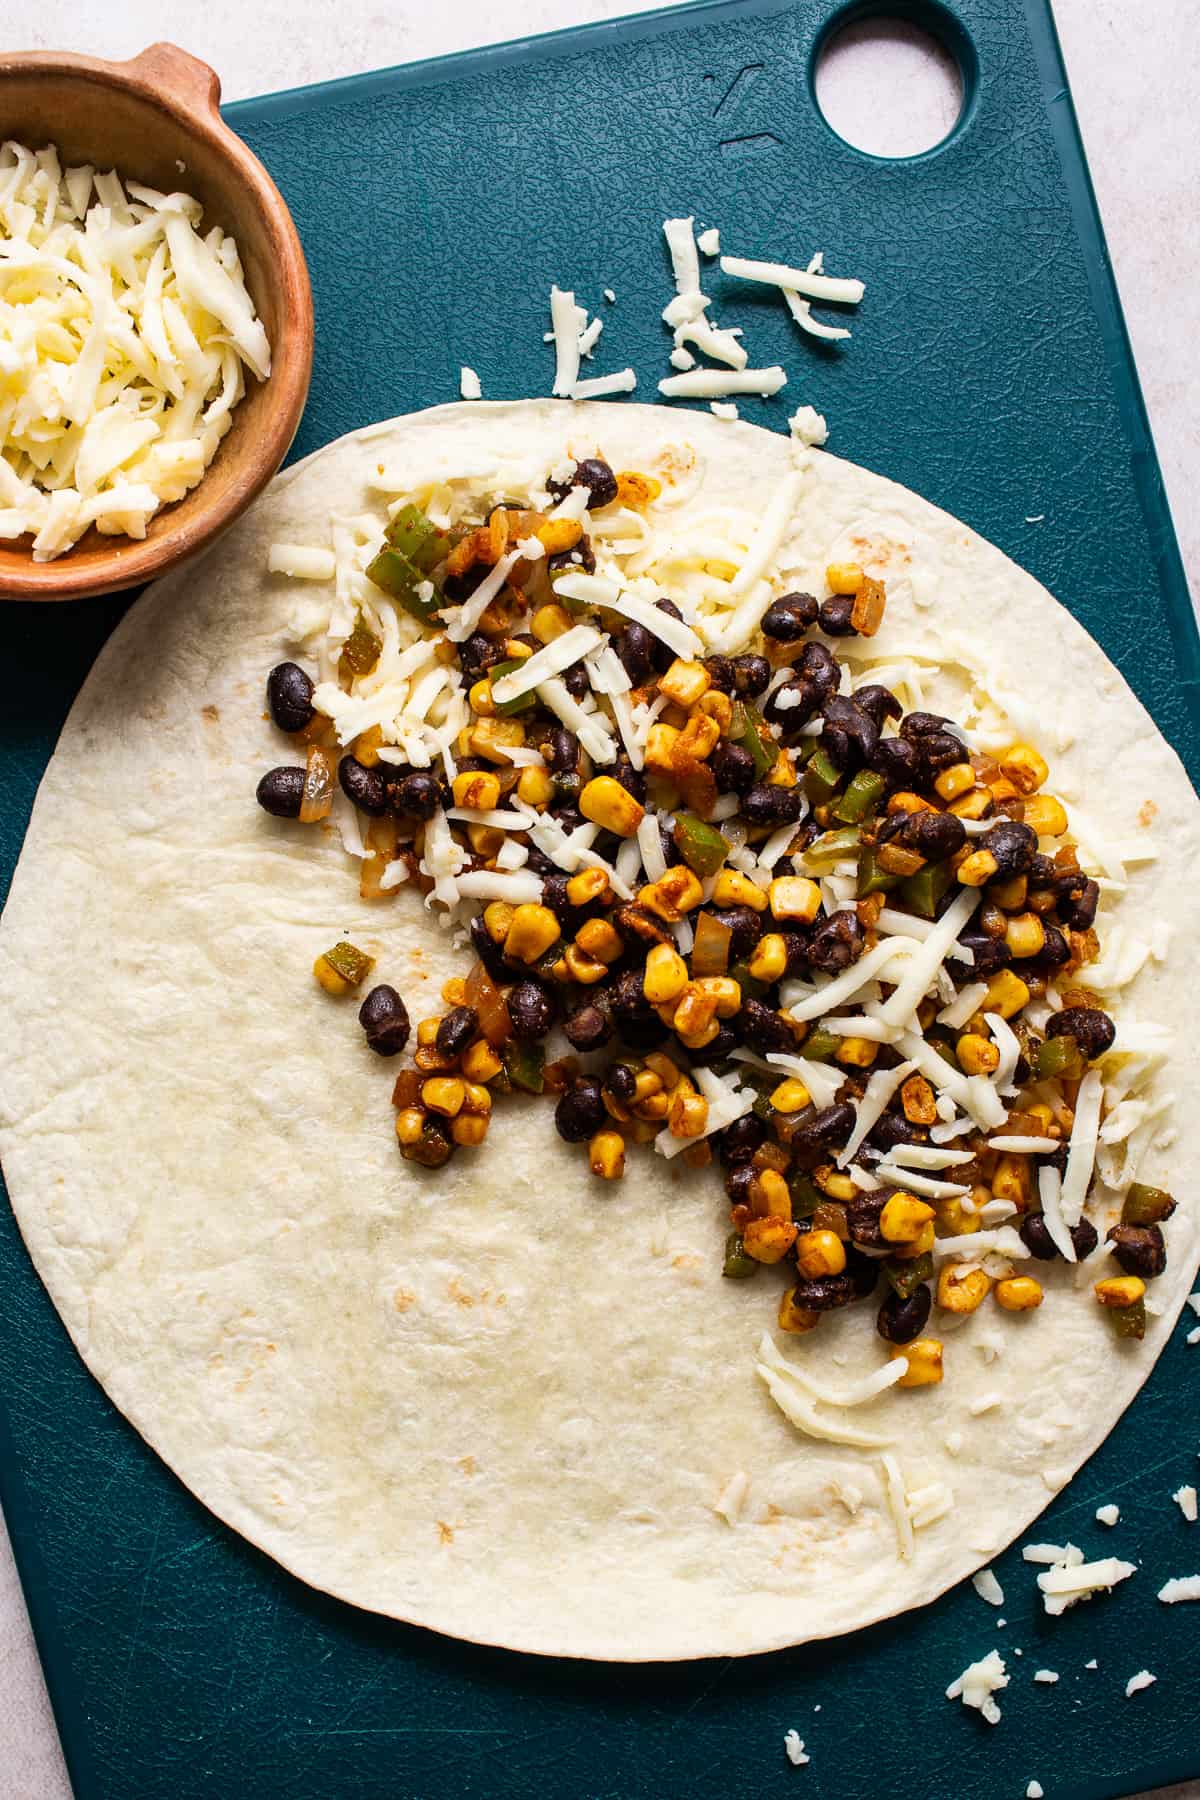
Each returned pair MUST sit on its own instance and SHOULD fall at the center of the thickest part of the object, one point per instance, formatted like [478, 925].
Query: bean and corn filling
[697, 885]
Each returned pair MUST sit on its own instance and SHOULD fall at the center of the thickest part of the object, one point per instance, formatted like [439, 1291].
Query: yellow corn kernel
[1019, 1293]
[532, 931]
[784, 773]
[667, 1073]
[444, 1094]
[977, 869]
[1046, 815]
[637, 490]
[485, 840]
[550, 622]
[587, 887]
[1120, 1290]
[833, 1182]
[480, 1062]
[410, 1123]
[975, 805]
[660, 745]
[366, 747]
[791, 1096]
[427, 1031]
[768, 1240]
[725, 991]
[684, 682]
[1012, 1181]
[557, 535]
[493, 738]
[687, 1115]
[477, 788]
[1047, 1124]
[1010, 894]
[607, 804]
[918, 1101]
[697, 741]
[920, 1246]
[646, 1082]
[581, 967]
[820, 1253]
[903, 1218]
[498, 916]
[958, 779]
[961, 1290]
[716, 706]
[1025, 934]
[654, 1106]
[695, 1016]
[469, 1129]
[606, 1155]
[768, 961]
[673, 894]
[794, 897]
[954, 1218]
[1001, 788]
[904, 802]
[454, 991]
[1006, 994]
[535, 786]
[732, 888]
[480, 698]
[843, 578]
[856, 1052]
[343, 969]
[600, 940]
[794, 1317]
[976, 1055]
[666, 975]
[1025, 768]
[924, 1358]
[476, 1098]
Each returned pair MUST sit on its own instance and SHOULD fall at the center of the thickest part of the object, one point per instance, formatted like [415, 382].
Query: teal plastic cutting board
[989, 369]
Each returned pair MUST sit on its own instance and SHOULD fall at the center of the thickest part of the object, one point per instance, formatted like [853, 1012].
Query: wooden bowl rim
[188, 91]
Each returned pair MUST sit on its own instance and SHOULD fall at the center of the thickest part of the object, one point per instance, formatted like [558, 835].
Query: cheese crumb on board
[1064, 1584]
[1034, 1791]
[469, 385]
[710, 241]
[793, 1744]
[978, 1683]
[808, 426]
[1046, 1676]
[723, 409]
[1180, 1587]
[1108, 1515]
[716, 384]
[988, 1588]
[1135, 1684]
[1185, 1500]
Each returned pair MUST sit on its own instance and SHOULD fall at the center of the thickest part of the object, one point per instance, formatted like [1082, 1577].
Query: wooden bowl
[145, 118]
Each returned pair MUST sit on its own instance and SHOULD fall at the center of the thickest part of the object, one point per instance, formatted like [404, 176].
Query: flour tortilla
[501, 1400]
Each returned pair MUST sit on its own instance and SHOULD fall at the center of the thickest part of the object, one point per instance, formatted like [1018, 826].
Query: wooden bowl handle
[168, 69]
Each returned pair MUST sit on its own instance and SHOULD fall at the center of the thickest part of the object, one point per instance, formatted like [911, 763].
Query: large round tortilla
[500, 1400]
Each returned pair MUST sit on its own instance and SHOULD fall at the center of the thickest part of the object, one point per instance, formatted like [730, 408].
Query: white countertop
[1134, 72]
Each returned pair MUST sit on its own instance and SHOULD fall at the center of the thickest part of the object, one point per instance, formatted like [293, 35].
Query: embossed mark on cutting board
[730, 102]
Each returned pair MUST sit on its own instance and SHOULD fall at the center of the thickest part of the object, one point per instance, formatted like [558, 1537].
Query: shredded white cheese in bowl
[126, 330]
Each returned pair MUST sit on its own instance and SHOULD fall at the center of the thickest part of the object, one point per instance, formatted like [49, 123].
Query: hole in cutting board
[888, 86]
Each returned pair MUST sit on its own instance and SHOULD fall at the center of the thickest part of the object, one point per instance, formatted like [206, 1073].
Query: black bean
[733, 768]
[940, 750]
[1012, 844]
[720, 1049]
[738, 1142]
[892, 1129]
[631, 779]
[787, 619]
[745, 927]
[588, 1028]
[991, 955]
[863, 1272]
[554, 895]
[1139, 1249]
[490, 953]
[581, 1111]
[1092, 1029]
[835, 616]
[879, 703]
[1077, 904]
[477, 655]
[621, 1083]
[923, 724]
[1084, 1238]
[538, 863]
[822, 1293]
[764, 804]
[827, 1129]
[837, 942]
[280, 792]
[363, 787]
[289, 697]
[900, 1321]
[933, 835]
[818, 666]
[721, 673]
[635, 647]
[898, 761]
[1040, 1244]
[532, 1009]
[664, 656]
[1055, 951]
[738, 1181]
[639, 927]
[791, 706]
[751, 674]
[580, 557]
[597, 477]
[850, 734]
[762, 1029]
[576, 681]
[458, 1029]
[633, 1015]
[862, 1217]
[384, 1017]
[795, 944]
[562, 750]
[419, 794]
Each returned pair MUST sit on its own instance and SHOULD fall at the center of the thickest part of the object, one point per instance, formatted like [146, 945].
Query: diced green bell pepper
[524, 1064]
[871, 878]
[752, 988]
[1060, 1058]
[701, 846]
[749, 729]
[737, 1264]
[417, 538]
[832, 846]
[1128, 1321]
[1146, 1205]
[392, 571]
[361, 650]
[922, 893]
[907, 1273]
[862, 797]
[523, 702]
[821, 778]
[820, 1044]
[806, 1196]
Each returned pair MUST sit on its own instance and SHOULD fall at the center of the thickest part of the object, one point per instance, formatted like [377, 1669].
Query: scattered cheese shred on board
[793, 1745]
[978, 1683]
[1180, 1587]
[1135, 1684]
